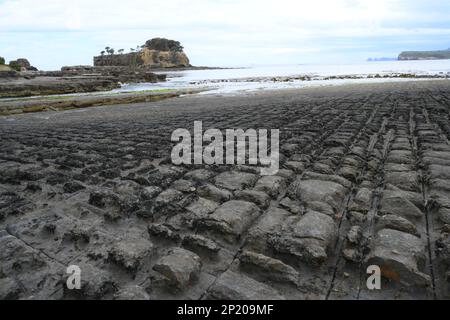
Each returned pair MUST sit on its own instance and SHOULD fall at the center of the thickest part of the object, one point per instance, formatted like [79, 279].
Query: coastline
[51, 103]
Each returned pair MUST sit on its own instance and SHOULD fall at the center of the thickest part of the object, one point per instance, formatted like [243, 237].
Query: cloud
[237, 31]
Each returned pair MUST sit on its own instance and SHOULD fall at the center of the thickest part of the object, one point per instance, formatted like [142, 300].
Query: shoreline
[23, 105]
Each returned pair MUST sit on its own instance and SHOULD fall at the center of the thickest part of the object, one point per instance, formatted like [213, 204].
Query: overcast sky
[52, 33]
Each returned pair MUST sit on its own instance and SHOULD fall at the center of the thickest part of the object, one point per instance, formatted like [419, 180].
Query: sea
[269, 77]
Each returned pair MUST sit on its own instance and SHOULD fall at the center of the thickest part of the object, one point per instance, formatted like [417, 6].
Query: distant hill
[425, 55]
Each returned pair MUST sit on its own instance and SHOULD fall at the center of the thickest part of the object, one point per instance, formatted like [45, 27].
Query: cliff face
[156, 53]
[425, 55]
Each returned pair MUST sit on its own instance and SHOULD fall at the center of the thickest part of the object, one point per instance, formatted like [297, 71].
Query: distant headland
[425, 55]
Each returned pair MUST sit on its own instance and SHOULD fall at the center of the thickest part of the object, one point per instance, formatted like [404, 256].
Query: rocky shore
[69, 102]
[364, 180]
[75, 79]
[20, 79]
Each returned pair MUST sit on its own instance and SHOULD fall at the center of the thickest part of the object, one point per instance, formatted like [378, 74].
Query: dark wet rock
[200, 175]
[408, 181]
[258, 197]
[184, 186]
[350, 173]
[231, 219]
[12, 204]
[110, 173]
[104, 198]
[415, 197]
[163, 176]
[131, 293]
[127, 188]
[321, 207]
[131, 253]
[235, 286]
[356, 218]
[202, 207]
[9, 289]
[362, 201]
[400, 156]
[149, 193]
[329, 192]
[439, 172]
[180, 267]
[322, 168]
[440, 184]
[443, 247]
[211, 192]
[291, 205]
[78, 233]
[391, 204]
[285, 173]
[400, 256]
[33, 187]
[168, 202]
[444, 215]
[163, 231]
[272, 185]
[270, 268]
[54, 178]
[327, 177]
[308, 239]
[395, 222]
[296, 166]
[270, 224]
[352, 255]
[72, 187]
[200, 244]
[235, 180]
[354, 236]
[398, 167]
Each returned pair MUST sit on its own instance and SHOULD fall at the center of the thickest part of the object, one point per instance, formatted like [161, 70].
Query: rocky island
[155, 53]
[425, 55]
[110, 71]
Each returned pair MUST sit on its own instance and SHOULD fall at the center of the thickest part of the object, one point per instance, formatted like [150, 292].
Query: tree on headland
[15, 65]
[2, 61]
[121, 51]
[162, 44]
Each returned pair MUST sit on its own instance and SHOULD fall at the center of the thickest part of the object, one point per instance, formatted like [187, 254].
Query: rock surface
[95, 188]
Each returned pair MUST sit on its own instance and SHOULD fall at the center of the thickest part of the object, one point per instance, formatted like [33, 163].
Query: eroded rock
[400, 256]
[180, 267]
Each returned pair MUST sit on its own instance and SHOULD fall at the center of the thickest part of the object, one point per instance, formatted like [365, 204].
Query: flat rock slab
[400, 256]
[180, 267]
[232, 218]
[235, 180]
[328, 192]
[235, 286]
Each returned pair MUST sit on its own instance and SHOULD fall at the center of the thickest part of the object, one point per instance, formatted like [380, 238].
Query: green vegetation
[162, 44]
[424, 55]
[2, 61]
[15, 66]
